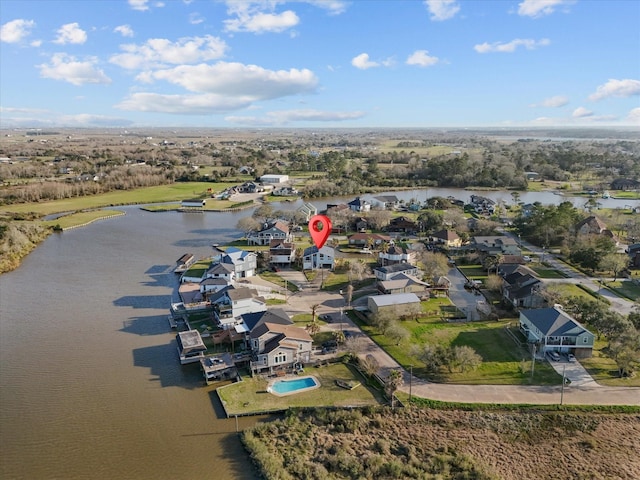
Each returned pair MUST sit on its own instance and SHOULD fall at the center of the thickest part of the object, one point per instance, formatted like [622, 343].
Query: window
[280, 358]
[585, 340]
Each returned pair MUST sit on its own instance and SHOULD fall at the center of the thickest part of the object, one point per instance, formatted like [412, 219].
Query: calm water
[90, 383]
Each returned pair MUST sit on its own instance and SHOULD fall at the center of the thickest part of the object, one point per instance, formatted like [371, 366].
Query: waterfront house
[286, 191]
[184, 262]
[308, 210]
[244, 263]
[592, 225]
[224, 271]
[387, 202]
[281, 253]
[193, 204]
[277, 230]
[191, 348]
[359, 205]
[218, 367]
[212, 285]
[396, 302]
[231, 303]
[313, 258]
[278, 345]
[552, 329]
[387, 272]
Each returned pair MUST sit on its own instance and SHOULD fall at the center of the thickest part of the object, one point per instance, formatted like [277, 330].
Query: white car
[571, 357]
[526, 258]
[555, 356]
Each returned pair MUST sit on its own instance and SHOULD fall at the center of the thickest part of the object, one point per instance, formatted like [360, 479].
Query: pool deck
[292, 379]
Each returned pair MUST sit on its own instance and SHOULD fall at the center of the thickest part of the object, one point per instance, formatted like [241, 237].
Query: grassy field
[81, 218]
[625, 288]
[162, 193]
[567, 290]
[278, 280]
[504, 362]
[545, 272]
[604, 370]
[251, 394]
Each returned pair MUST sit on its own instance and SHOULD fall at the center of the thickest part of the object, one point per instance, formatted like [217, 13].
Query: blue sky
[319, 63]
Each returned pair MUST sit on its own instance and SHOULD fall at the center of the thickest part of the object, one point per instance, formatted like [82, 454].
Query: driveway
[575, 372]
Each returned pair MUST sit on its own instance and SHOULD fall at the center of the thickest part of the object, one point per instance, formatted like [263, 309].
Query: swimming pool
[296, 385]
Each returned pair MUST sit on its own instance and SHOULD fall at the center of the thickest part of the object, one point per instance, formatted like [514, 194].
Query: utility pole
[564, 367]
[410, 381]
[533, 358]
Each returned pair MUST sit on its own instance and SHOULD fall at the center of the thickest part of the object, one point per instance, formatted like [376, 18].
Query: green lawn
[278, 280]
[502, 359]
[198, 269]
[162, 193]
[339, 281]
[474, 272]
[545, 272]
[251, 394]
[568, 290]
[625, 288]
[81, 218]
[604, 370]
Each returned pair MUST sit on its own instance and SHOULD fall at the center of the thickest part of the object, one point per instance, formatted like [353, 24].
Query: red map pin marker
[320, 229]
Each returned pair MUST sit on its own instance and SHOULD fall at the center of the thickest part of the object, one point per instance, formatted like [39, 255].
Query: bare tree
[247, 225]
[397, 333]
[434, 264]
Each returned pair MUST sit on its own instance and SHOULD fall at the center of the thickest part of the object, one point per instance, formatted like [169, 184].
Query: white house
[224, 271]
[359, 205]
[279, 347]
[244, 263]
[313, 258]
[231, 303]
[281, 252]
[385, 273]
[270, 178]
[378, 302]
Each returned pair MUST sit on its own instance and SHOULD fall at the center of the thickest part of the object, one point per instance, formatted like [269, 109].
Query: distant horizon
[312, 64]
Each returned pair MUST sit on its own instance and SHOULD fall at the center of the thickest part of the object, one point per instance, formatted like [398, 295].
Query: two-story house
[521, 288]
[277, 344]
[231, 303]
[395, 254]
[551, 329]
[387, 272]
[281, 253]
[313, 258]
[448, 238]
[402, 224]
[244, 263]
[277, 230]
[496, 245]
[359, 205]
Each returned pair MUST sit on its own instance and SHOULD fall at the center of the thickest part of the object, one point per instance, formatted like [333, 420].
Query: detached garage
[377, 303]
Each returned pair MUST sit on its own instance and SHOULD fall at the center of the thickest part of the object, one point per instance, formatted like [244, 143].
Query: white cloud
[183, 104]
[36, 43]
[510, 47]
[16, 30]
[288, 116]
[252, 18]
[160, 51]
[634, 116]
[540, 8]
[581, 112]
[195, 18]
[237, 79]
[362, 62]
[140, 5]
[422, 58]
[442, 9]
[124, 30]
[66, 68]
[553, 102]
[334, 7]
[71, 33]
[616, 88]
[89, 120]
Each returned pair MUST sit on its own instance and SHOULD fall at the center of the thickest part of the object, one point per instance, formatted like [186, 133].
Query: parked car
[571, 357]
[526, 258]
[555, 356]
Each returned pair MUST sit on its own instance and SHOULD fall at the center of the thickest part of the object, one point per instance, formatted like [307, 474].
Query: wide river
[90, 383]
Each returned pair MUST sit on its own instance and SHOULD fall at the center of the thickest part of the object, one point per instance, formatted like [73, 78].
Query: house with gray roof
[277, 230]
[388, 271]
[244, 262]
[552, 329]
[377, 303]
[313, 258]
